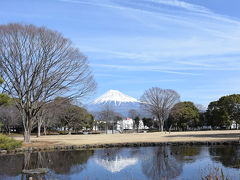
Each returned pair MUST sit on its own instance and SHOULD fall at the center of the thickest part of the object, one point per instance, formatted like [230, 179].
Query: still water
[164, 162]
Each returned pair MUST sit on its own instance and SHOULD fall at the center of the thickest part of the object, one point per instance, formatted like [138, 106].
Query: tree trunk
[162, 127]
[44, 130]
[161, 124]
[112, 128]
[106, 128]
[27, 135]
[39, 130]
[27, 123]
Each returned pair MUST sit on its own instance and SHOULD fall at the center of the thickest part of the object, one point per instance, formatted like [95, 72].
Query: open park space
[190, 136]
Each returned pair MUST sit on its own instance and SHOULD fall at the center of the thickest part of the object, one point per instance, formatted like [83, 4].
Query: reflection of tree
[108, 154]
[185, 153]
[229, 156]
[68, 162]
[161, 164]
[10, 165]
[63, 162]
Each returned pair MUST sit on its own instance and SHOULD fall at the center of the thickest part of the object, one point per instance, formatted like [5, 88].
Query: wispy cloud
[184, 5]
[142, 68]
[170, 38]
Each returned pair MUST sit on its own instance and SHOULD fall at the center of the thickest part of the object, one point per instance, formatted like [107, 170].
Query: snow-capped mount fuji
[119, 102]
[115, 96]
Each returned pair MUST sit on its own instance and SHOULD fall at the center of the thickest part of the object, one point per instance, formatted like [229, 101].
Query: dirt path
[194, 136]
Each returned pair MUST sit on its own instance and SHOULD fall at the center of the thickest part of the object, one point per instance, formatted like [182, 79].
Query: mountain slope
[119, 102]
[115, 96]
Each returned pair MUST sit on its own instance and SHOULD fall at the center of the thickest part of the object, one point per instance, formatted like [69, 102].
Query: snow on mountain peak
[114, 96]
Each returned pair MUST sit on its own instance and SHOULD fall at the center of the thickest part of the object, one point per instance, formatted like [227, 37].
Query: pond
[163, 162]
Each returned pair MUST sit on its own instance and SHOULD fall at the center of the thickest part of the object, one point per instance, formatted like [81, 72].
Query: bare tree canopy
[133, 113]
[159, 102]
[109, 116]
[38, 64]
[9, 117]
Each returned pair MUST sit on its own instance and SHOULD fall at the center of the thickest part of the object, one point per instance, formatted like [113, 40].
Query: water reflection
[10, 165]
[157, 162]
[164, 162]
[114, 160]
[185, 153]
[161, 164]
[229, 156]
[59, 163]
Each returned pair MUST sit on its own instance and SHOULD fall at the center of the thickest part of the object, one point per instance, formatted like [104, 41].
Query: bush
[7, 143]
[63, 132]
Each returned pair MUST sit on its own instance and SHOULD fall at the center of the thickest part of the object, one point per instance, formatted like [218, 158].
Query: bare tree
[9, 117]
[159, 102]
[40, 118]
[137, 122]
[39, 64]
[52, 114]
[107, 115]
[132, 113]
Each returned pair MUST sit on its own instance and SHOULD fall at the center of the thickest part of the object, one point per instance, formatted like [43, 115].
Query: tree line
[60, 115]
[167, 112]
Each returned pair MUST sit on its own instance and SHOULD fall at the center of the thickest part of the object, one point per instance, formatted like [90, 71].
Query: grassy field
[193, 136]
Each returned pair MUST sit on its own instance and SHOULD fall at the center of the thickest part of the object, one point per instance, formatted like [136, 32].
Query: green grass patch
[7, 143]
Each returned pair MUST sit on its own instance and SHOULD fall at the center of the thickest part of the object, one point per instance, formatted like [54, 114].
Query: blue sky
[191, 46]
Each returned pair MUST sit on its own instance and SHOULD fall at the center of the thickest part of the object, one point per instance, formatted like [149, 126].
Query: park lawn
[190, 136]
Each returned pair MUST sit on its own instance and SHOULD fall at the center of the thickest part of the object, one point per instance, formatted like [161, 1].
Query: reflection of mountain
[114, 160]
[117, 164]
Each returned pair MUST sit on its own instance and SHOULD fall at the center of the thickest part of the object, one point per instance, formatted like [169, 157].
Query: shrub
[7, 143]
[215, 173]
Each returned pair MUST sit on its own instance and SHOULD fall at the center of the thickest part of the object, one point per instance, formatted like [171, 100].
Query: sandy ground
[194, 136]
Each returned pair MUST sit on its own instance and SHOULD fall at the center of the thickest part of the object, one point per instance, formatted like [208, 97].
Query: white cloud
[162, 69]
[167, 36]
[182, 4]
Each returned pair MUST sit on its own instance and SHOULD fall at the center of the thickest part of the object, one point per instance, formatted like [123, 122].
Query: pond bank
[68, 142]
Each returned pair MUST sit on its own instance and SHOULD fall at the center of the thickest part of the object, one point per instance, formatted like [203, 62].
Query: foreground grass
[215, 173]
[7, 143]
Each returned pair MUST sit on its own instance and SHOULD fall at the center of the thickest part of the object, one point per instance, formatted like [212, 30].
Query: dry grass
[199, 136]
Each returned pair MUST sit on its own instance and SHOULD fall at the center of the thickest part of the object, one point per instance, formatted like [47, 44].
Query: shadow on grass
[235, 135]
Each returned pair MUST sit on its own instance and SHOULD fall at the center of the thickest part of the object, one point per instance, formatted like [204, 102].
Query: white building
[128, 124]
[235, 125]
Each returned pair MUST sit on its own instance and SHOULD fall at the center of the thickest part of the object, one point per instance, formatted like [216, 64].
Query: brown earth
[193, 136]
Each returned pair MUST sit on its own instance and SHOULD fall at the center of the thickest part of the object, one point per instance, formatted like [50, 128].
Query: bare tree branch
[39, 64]
[159, 102]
